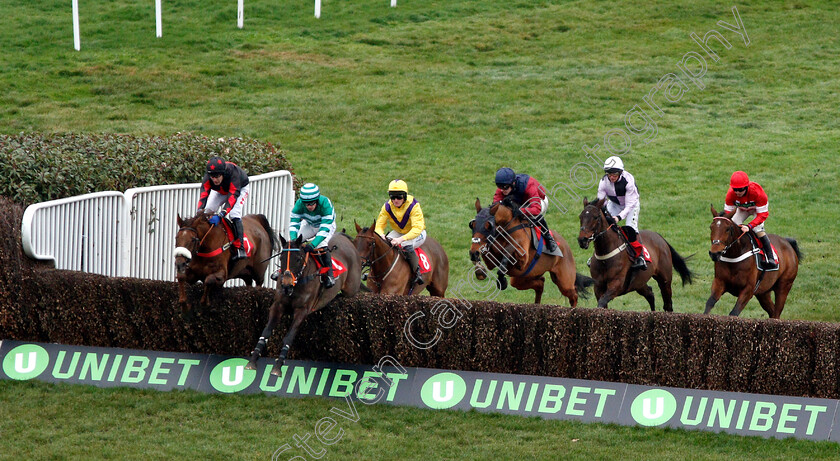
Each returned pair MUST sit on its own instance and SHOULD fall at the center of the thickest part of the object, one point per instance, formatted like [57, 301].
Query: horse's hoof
[251, 366]
[277, 372]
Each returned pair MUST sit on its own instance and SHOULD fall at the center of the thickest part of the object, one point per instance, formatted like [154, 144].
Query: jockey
[403, 213]
[527, 192]
[225, 185]
[620, 187]
[744, 199]
[313, 218]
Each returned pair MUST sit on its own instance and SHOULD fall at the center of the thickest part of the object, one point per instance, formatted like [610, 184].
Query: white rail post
[317, 8]
[158, 20]
[393, 3]
[77, 42]
[240, 15]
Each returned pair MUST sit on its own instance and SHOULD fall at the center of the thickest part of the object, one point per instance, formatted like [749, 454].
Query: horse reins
[726, 248]
[594, 237]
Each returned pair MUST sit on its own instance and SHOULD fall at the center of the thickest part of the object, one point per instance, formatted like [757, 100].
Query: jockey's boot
[768, 263]
[238, 252]
[327, 278]
[549, 239]
[414, 262]
[639, 262]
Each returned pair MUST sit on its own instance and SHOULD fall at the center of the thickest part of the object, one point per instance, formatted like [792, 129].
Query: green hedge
[39, 167]
[649, 348]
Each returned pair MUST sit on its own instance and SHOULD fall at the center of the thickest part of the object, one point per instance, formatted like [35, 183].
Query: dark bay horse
[502, 237]
[390, 273]
[736, 271]
[610, 265]
[299, 290]
[202, 252]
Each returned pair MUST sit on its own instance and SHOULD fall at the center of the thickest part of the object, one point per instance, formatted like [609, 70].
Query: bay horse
[736, 271]
[610, 265]
[501, 236]
[202, 252]
[300, 291]
[391, 273]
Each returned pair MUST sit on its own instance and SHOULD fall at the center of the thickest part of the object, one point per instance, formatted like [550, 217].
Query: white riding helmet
[614, 165]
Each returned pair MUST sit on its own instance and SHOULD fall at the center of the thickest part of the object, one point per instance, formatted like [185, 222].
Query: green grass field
[442, 94]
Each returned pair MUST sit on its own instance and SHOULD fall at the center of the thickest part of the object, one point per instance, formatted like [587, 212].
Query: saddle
[539, 243]
[759, 252]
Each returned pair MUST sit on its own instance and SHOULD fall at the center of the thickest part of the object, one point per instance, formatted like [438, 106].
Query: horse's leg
[274, 313]
[665, 290]
[613, 289]
[566, 289]
[766, 303]
[212, 280]
[299, 315]
[647, 292]
[782, 289]
[182, 296]
[537, 284]
[743, 298]
[717, 291]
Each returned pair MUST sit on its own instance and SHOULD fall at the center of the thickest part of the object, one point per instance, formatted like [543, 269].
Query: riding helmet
[739, 179]
[216, 165]
[309, 192]
[614, 165]
[505, 176]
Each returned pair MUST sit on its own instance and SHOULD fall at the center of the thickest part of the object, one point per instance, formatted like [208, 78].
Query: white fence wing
[83, 233]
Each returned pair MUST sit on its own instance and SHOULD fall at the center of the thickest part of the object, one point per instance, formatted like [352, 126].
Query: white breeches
[631, 220]
[216, 200]
[409, 244]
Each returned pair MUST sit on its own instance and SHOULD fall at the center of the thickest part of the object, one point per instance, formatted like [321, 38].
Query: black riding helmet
[216, 165]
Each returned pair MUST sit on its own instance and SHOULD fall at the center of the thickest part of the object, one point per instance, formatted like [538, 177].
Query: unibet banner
[550, 398]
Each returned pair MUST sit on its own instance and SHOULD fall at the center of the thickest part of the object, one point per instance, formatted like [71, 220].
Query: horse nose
[584, 243]
[714, 256]
[474, 256]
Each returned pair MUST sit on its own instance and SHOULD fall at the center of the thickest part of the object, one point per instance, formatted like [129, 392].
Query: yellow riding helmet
[398, 185]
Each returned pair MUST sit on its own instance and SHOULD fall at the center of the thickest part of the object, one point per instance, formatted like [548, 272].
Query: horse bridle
[599, 234]
[367, 262]
[729, 231]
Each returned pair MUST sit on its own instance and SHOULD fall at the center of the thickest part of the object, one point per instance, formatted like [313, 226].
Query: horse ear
[600, 203]
[282, 241]
[358, 229]
[477, 204]
[585, 202]
[472, 224]
[180, 221]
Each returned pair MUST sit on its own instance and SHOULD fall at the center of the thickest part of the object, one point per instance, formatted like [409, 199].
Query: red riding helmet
[739, 179]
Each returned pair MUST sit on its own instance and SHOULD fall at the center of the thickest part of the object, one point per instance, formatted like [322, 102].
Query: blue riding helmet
[505, 176]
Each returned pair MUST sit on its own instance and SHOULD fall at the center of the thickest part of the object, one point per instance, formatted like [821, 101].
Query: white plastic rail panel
[84, 233]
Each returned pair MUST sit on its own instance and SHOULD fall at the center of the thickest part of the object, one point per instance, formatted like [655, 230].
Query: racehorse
[300, 290]
[391, 273]
[736, 271]
[611, 268]
[502, 237]
[202, 252]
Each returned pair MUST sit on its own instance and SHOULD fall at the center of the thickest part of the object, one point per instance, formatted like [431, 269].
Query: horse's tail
[680, 265]
[582, 284]
[795, 246]
[275, 243]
